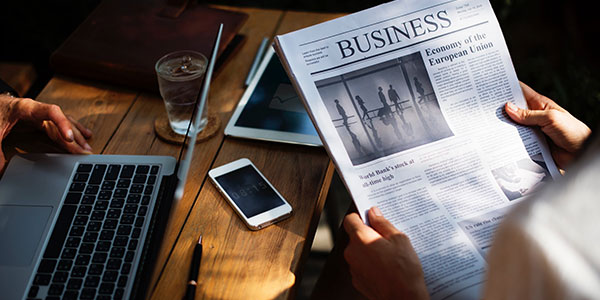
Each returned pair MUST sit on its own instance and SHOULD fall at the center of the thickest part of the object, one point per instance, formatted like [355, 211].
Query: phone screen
[250, 192]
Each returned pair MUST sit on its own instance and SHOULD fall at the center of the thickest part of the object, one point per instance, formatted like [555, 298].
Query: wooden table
[237, 263]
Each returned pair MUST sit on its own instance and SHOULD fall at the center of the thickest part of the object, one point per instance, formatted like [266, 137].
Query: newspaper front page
[408, 99]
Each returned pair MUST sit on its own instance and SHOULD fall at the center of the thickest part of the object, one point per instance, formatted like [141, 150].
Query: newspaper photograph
[408, 100]
[374, 122]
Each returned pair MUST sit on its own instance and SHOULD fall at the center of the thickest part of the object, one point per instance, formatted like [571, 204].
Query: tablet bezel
[265, 134]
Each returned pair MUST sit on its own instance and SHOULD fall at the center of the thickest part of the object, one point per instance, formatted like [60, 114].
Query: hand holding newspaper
[408, 100]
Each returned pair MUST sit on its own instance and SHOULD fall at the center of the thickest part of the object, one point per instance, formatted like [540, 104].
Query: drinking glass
[180, 76]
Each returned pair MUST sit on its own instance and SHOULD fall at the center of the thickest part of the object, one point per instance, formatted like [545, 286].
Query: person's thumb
[380, 223]
[527, 116]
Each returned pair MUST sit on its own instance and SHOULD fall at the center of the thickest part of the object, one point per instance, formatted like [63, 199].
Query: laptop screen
[183, 165]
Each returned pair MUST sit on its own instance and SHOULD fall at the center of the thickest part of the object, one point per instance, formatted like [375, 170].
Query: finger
[87, 133]
[41, 112]
[381, 224]
[561, 157]
[352, 224]
[57, 116]
[531, 96]
[80, 140]
[528, 116]
[357, 230]
[536, 100]
[73, 147]
[53, 133]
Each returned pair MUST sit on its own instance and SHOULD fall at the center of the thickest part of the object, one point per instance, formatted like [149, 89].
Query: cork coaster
[164, 131]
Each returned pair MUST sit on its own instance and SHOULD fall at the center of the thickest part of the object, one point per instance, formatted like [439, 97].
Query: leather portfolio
[121, 41]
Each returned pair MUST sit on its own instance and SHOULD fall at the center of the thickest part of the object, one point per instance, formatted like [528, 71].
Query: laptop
[88, 226]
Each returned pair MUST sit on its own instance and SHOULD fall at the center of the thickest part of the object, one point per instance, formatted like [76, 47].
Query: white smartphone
[250, 194]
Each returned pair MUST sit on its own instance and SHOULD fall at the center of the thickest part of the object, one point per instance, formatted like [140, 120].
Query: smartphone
[250, 194]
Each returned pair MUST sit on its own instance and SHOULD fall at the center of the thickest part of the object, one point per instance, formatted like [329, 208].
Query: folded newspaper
[408, 100]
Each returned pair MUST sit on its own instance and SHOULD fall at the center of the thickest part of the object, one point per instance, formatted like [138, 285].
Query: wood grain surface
[97, 106]
[237, 263]
[225, 90]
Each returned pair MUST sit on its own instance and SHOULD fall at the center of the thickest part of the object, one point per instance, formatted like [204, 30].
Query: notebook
[121, 41]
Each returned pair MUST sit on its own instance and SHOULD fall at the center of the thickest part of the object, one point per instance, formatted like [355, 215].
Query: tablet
[271, 110]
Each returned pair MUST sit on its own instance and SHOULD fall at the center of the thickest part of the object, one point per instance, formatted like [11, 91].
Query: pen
[194, 269]
[255, 63]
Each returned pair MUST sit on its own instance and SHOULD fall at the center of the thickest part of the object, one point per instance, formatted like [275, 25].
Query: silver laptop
[88, 226]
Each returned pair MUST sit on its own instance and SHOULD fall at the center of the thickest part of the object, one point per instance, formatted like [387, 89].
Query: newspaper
[408, 100]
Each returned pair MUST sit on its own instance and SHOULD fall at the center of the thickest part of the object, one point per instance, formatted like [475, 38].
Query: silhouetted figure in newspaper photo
[362, 106]
[342, 112]
[385, 114]
[382, 99]
[420, 90]
[393, 96]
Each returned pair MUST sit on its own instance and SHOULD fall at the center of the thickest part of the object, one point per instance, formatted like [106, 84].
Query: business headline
[384, 174]
[390, 35]
[449, 52]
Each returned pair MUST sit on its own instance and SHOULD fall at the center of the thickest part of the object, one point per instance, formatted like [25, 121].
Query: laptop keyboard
[97, 234]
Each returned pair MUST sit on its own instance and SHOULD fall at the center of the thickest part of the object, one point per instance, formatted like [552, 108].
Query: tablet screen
[273, 105]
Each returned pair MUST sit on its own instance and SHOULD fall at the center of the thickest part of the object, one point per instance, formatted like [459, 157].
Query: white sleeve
[549, 247]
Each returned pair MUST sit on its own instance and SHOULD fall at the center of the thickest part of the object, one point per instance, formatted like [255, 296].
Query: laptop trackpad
[21, 228]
